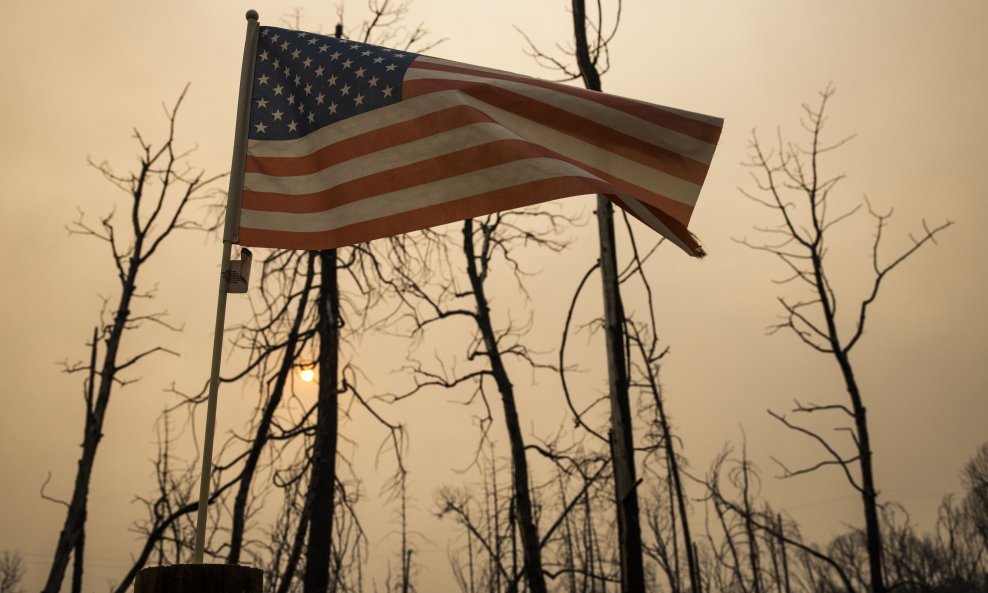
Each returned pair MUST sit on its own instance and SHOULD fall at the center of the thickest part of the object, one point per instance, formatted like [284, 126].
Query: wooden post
[199, 578]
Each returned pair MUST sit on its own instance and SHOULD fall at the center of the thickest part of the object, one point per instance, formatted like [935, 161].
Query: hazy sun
[307, 375]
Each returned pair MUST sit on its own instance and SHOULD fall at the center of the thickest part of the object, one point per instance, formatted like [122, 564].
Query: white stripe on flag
[615, 119]
[442, 62]
[700, 117]
[618, 166]
[420, 196]
[380, 161]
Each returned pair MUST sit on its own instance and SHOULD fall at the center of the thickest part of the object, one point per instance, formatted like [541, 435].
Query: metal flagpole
[230, 232]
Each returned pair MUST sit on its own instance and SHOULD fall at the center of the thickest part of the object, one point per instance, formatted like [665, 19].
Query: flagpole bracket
[237, 272]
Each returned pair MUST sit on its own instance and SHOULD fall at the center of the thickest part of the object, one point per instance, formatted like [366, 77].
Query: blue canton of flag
[304, 81]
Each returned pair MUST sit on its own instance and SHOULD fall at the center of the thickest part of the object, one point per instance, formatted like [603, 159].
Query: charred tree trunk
[785, 559]
[519, 465]
[264, 426]
[298, 541]
[74, 527]
[152, 216]
[749, 527]
[78, 556]
[677, 486]
[323, 480]
[869, 496]
[622, 448]
[625, 479]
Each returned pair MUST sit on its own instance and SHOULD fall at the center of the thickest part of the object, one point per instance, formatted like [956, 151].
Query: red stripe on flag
[438, 168]
[367, 143]
[660, 117]
[517, 196]
[561, 120]
[398, 178]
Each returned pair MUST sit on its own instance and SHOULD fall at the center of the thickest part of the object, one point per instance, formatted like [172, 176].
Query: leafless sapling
[975, 478]
[11, 572]
[800, 240]
[168, 531]
[159, 193]
[733, 560]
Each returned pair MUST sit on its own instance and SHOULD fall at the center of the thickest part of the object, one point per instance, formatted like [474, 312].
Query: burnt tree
[800, 240]
[159, 192]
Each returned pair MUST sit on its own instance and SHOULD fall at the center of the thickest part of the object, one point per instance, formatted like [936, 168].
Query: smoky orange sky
[912, 83]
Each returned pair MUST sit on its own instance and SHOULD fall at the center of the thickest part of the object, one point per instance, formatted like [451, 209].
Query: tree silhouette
[800, 240]
[159, 192]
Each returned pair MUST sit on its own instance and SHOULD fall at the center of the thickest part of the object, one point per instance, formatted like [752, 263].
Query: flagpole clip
[237, 272]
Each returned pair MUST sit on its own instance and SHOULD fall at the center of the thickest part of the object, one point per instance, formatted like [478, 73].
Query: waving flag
[350, 142]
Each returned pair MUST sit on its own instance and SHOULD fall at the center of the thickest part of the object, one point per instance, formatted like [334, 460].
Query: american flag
[350, 142]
